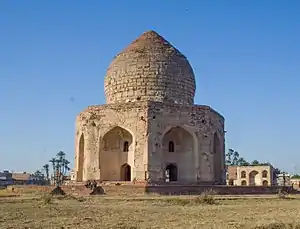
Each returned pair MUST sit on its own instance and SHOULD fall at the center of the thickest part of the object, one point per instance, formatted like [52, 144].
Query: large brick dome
[150, 68]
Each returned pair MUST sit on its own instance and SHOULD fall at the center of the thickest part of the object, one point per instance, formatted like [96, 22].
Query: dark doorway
[171, 173]
[125, 172]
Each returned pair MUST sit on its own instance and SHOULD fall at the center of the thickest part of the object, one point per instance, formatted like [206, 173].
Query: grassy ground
[33, 211]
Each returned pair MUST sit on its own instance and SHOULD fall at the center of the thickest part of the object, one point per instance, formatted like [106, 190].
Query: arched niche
[253, 178]
[80, 159]
[243, 174]
[264, 174]
[178, 148]
[217, 158]
[115, 149]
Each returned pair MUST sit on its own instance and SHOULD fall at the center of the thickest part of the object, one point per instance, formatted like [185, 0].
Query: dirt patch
[58, 191]
[279, 226]
[98, 191]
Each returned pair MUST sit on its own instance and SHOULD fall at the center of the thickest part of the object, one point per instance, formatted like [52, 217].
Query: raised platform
[141, 189]
[217, 189]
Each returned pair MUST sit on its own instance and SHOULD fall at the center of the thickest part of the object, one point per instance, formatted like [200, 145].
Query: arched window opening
[265, 183]
[171, 146]
[243, 174]
[264, 174]
[244, 183]
[231, 182]
[114, 152]
[126, 146]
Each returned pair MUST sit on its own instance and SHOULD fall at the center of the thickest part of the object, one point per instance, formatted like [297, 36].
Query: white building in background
[284, 179]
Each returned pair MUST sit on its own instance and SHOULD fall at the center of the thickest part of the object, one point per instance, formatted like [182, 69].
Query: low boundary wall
[159, 189]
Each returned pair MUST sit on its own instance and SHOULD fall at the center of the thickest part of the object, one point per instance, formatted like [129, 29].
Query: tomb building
[150, 130]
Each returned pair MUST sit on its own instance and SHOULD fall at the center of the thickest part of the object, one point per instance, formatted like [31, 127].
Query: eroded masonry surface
[150, 130]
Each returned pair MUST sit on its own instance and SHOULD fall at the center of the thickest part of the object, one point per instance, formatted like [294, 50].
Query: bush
[48, 199]
[178, 201]
[206, 197]
[282, 194]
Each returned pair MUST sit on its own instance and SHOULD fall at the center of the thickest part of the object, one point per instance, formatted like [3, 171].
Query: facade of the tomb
[150, 129]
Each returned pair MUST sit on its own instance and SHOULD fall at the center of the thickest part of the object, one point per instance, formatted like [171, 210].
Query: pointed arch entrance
[115, 152]
[80, 159]
[217, 157]
[179, 146]
[253, 178]
[125, 172]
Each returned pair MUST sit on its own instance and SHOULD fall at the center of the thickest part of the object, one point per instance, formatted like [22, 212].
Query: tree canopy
[57, 169]
[233, 158]
[296, 176]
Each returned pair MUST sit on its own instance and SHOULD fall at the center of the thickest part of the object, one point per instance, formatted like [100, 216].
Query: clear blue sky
[246, 56]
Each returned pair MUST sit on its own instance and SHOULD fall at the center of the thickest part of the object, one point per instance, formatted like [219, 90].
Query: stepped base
[170, 189]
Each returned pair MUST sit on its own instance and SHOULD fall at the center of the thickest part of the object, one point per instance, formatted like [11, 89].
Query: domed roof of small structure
[150, 68]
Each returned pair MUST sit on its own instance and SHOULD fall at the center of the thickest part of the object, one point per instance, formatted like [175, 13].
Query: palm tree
[38, 174]
[46, 168]
[65, 166]
[60, 166]
[61, 157]
[52, 161]
[57, 171]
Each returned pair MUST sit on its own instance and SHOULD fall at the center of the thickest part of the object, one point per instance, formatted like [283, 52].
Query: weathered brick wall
[150, 69]
[96, 121]
[148, 122]
[202, 123]
[150, 88]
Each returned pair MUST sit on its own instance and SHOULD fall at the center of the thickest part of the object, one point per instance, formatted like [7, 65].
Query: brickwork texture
[150, 130]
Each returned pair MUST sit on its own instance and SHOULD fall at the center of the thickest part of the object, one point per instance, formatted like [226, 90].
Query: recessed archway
[171, 173]
[265, 183]
[264, 174]
[178, 147]
[244, 183]
[243, 174]
[217, 154]
[80, 159]
[231, 182]
[253, 178]
[116, 147]
[125, 172]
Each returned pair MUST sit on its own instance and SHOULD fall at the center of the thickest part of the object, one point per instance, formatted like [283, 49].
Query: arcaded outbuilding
[150, 129]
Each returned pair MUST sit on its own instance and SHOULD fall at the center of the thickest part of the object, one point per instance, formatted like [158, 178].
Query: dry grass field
[112, 211]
